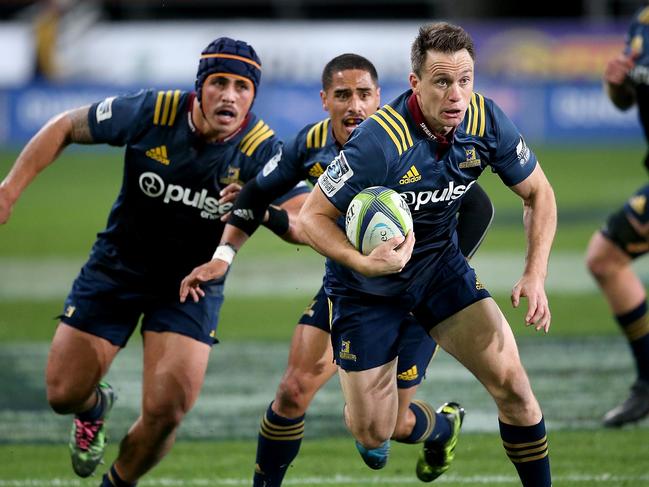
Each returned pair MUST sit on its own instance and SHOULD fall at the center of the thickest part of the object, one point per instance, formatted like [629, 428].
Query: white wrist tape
[225, 253]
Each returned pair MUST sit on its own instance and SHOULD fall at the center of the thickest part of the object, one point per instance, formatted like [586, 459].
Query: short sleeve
[120, 120]
[513, 160]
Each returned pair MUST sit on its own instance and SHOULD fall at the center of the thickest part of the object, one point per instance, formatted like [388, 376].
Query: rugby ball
[374, 216]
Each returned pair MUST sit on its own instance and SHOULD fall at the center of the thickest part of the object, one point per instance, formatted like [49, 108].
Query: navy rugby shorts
[369, 331]
[416, 347]
[108, 304]
[618, 229]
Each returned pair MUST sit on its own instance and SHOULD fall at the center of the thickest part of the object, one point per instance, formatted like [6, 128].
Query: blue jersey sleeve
[512, 159]
[120, 120]
[285, 170]
[362, 163]
[268, 156]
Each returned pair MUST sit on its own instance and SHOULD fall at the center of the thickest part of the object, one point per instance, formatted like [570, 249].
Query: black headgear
[225, 55]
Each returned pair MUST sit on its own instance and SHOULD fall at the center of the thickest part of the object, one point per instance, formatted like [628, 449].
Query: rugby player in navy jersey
[182, 150]
[625, 235]
[450, 135]
[350, 94]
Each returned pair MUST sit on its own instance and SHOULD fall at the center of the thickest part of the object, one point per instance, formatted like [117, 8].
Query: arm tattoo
[80, 126]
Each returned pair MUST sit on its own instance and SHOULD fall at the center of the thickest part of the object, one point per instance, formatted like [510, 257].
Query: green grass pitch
[59, 215]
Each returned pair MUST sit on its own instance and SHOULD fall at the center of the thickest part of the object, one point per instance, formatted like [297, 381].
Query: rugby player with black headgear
[184, 153]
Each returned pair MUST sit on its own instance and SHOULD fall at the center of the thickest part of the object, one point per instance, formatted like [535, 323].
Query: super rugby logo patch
[334, 177]
[522, 152]
[105, 110]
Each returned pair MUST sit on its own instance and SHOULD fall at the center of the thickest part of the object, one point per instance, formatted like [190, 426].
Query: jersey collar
[418, 117]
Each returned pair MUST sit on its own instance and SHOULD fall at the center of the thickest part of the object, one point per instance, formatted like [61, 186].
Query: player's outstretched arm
[540, 220]
[40, 152]
[231, 241]
[317, 223]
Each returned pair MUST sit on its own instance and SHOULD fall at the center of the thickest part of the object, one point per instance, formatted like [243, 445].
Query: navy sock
[430, 426]
[112, 479]
[527, 448]
[95, 412]
[635, 326]
[278, 444]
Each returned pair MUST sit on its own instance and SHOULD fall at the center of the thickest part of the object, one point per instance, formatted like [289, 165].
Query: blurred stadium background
[541, 62]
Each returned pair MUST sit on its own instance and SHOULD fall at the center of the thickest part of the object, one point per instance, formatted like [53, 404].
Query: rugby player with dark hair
[625, 235]
[350, 94]
[450, 134]
[185, 151]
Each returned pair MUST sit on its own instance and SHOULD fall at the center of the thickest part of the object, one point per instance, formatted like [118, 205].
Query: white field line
[602, 479]
[283, 275]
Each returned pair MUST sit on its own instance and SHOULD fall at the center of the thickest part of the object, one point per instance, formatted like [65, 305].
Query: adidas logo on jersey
[412, 176]
[410, 374]
[158, 154]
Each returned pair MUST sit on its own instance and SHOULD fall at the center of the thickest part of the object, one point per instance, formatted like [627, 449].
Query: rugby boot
[88, 438]
[634, 408]
[436, 458]
[375, 458]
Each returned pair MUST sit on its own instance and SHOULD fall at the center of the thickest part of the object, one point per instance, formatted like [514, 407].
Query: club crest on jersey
[105, 110]
[316, 170]
[345, 351]
[153, 186]
[522, 152]
[471, 158]
[338, 171]
[232, 176]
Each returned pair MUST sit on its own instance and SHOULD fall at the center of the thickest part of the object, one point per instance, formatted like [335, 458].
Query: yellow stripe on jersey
[325, 131]
[397, 126]
[643, 17]
[252, 133]
[401, 120]
[476, 117]
[256, 136]
[483, 117]
[267, 134]
[389, 132]
[158, 104]
[165, 110]
[316, 137]
[166, 107]
[174, 107]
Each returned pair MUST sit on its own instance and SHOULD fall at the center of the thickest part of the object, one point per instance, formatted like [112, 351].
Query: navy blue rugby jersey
[166, 219]
[304, 157]
[395, 148]
[637, 45]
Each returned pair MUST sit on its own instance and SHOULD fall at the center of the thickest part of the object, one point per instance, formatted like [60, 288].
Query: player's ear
[413, 79]
[323, 97]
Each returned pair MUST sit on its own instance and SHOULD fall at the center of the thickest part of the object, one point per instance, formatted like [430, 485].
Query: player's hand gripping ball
[374, 216]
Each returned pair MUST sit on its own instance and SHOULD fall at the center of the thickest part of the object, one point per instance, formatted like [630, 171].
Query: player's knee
[63, 398]
[371, 434]
[163, 415]
[598, 265]
[514, 396]
[293, 396]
